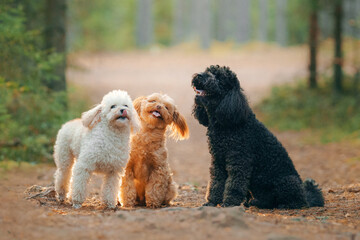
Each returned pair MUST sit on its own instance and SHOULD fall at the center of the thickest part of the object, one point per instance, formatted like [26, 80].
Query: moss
[296, 107]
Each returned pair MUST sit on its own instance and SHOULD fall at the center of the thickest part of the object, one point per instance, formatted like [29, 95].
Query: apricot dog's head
[159, 111]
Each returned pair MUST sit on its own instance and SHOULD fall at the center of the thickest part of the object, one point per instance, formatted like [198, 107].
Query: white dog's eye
[126, 106]
[113, 106]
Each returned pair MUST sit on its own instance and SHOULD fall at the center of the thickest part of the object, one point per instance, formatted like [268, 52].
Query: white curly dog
[98, 142]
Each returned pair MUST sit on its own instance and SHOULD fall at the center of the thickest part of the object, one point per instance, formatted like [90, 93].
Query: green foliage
[272, 20]
[110, 25]
[101, 25]
[163, 18]
[298, 24]
[30, 114]
[296, 107]
[254, 16]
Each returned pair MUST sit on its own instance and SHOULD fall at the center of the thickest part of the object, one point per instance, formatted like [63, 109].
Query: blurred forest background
[37, 36]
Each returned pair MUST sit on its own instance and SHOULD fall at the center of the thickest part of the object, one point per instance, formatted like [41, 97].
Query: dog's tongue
[199, 92]
[156, 114]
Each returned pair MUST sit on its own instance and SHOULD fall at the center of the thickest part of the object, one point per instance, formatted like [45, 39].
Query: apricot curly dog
[148, 178]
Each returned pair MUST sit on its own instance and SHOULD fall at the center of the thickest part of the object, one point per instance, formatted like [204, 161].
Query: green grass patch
[332, 117]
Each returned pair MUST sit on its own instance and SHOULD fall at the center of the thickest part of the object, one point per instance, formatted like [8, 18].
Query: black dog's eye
[126, 106]
[113, 106]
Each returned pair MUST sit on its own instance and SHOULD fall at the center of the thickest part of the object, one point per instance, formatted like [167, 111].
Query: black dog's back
[280, 165]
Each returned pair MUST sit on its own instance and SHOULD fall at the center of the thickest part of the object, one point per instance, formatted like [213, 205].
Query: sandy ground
[333, 165]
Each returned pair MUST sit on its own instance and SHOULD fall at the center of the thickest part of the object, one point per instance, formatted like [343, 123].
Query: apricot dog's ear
[179, 127]
[137, 104]
[135, 122]
[92, 117]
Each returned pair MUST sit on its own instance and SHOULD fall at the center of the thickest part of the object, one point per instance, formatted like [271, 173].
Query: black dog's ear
[200, 114]
[233, 109]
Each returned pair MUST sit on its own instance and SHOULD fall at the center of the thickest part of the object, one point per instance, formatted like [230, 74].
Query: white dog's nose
[123, 112]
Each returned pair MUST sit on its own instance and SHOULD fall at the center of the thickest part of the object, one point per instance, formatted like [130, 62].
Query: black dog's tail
[313, 193]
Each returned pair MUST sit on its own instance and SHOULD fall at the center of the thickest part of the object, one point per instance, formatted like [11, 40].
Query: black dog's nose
[198, 75]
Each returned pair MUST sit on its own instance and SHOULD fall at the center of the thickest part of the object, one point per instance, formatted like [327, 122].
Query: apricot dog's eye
[113, 106]
[152, 101]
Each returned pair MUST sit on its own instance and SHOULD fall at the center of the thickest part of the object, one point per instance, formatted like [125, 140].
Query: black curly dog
[248, 162]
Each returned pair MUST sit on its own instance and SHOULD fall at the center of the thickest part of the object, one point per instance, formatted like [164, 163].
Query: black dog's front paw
[228, 205]
[230, 202]
[209, 204]
[258, 204]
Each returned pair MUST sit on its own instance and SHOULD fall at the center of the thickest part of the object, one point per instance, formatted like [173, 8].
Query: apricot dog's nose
[158, 107]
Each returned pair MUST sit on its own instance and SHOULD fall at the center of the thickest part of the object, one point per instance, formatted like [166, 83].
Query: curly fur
[147, 180]
[98, 142]
[248, 162]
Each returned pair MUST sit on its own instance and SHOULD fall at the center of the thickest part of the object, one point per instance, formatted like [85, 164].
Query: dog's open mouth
[199, 92]
[156, 114]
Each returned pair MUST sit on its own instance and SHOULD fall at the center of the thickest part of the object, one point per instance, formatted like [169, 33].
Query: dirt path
[334, 166]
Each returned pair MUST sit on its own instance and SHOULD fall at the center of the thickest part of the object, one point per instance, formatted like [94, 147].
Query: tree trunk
[313, 42]
[325, 23]
[357, 10]
[348, 6]
[189, 9]
[355, 30]
[224, 20]
[338, 60]
[263, 20]
[205, 24]
[179, 21]
[55, 39]
[281, 22]
[242, 20]
[195, 18]
[144, 23]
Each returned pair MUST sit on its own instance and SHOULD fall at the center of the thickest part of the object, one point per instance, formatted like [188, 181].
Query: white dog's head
[116, 110]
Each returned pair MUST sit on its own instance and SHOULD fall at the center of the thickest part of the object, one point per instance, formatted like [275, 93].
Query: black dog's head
[219, 97]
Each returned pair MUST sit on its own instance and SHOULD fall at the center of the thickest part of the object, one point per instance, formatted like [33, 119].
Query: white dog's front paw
[61, 198]
[110, 206]
[76, 205]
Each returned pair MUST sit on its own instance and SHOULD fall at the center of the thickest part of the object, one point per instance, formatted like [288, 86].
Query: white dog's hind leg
[64, 161]
[110, 189]
[80, 178]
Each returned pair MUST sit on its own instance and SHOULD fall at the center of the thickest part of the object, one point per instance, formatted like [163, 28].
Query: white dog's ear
[92, 117]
